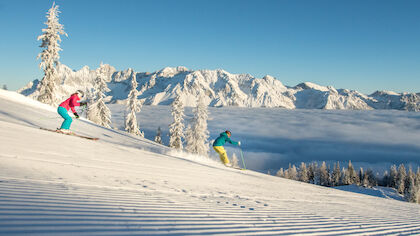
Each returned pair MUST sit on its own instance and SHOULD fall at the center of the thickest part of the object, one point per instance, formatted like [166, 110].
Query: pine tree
[417, 179]
[292, 172]
[50, 56]
[367, 178]
[363, 178]
[329, 175]
[336, 175]
[97, 111]
[344, 177]
[410, 175]
[303, 173]
[371, 178]
[400, 182]
[385, 179]
[323, 175]
[351, 175]
[158, 137]
[280, 173]
[311, 172]
[393, 173]
[413, 191]
[197, 134]
[176, 129]
[133, 107]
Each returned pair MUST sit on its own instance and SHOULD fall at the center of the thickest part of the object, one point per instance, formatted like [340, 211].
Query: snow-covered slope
[225, 89]
[57, 184]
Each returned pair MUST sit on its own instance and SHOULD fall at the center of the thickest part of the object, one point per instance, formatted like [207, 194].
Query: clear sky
[365, 45]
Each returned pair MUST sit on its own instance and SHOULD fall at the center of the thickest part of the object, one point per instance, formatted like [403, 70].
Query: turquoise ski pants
[67, 119]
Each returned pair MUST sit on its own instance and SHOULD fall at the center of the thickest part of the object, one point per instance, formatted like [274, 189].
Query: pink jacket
[71, 102]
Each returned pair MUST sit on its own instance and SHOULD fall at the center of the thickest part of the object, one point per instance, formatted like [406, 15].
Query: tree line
[405, 182]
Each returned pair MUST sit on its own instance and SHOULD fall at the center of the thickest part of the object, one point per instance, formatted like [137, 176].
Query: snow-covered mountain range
[225, 89]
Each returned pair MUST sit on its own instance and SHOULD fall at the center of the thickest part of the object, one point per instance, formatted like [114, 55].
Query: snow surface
[53, 184]
[376, 191]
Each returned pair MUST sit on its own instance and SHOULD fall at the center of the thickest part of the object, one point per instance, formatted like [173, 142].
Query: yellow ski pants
[222, 154]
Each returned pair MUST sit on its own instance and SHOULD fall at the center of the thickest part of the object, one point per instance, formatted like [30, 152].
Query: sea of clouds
[273, 138]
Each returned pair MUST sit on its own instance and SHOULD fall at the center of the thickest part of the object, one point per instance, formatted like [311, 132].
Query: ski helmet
[80, 93]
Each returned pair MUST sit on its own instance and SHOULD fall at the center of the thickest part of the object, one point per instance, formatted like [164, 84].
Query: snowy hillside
[225, 89]
[52, 184]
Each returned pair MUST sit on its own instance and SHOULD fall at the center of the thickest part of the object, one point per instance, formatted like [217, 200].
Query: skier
[218, 146]
[64, 107]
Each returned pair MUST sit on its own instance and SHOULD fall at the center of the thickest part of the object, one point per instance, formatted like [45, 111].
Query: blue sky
[365, 45]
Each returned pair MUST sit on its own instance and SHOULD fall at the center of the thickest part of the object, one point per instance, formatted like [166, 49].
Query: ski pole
[242, 156]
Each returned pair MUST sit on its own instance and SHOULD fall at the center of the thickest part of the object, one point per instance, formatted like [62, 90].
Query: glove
[76, 115]
[239, 143]
[83, 103]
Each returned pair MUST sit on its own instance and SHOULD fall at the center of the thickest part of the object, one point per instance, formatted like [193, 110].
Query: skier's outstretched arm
[233, 142]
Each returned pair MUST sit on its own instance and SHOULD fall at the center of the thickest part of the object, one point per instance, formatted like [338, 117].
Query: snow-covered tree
[385, 179]
[393, 176]
[50, 56]
[235, 161]
[413, 191]
[336, 175]
[176, 129]
[400, 182]
[158, 137]
[350, 175]
[280, 173]
[323, 175]
[417, 179]
[133, 107]
[361, 175]
[353, 174]
[344, 177]
[303, 174]
[373, 180]
[197, 134]
[367, 178]
[291, 173]
[97, 111]
[311, 172]
[410, 175]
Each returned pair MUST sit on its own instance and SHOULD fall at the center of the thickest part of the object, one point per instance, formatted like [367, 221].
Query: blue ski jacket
[222, 139]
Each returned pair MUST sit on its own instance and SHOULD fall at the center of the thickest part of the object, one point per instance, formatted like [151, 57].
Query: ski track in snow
[54, 184]
[42, 207]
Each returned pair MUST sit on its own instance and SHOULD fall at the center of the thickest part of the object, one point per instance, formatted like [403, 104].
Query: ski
[236, 168]
[71, 134]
